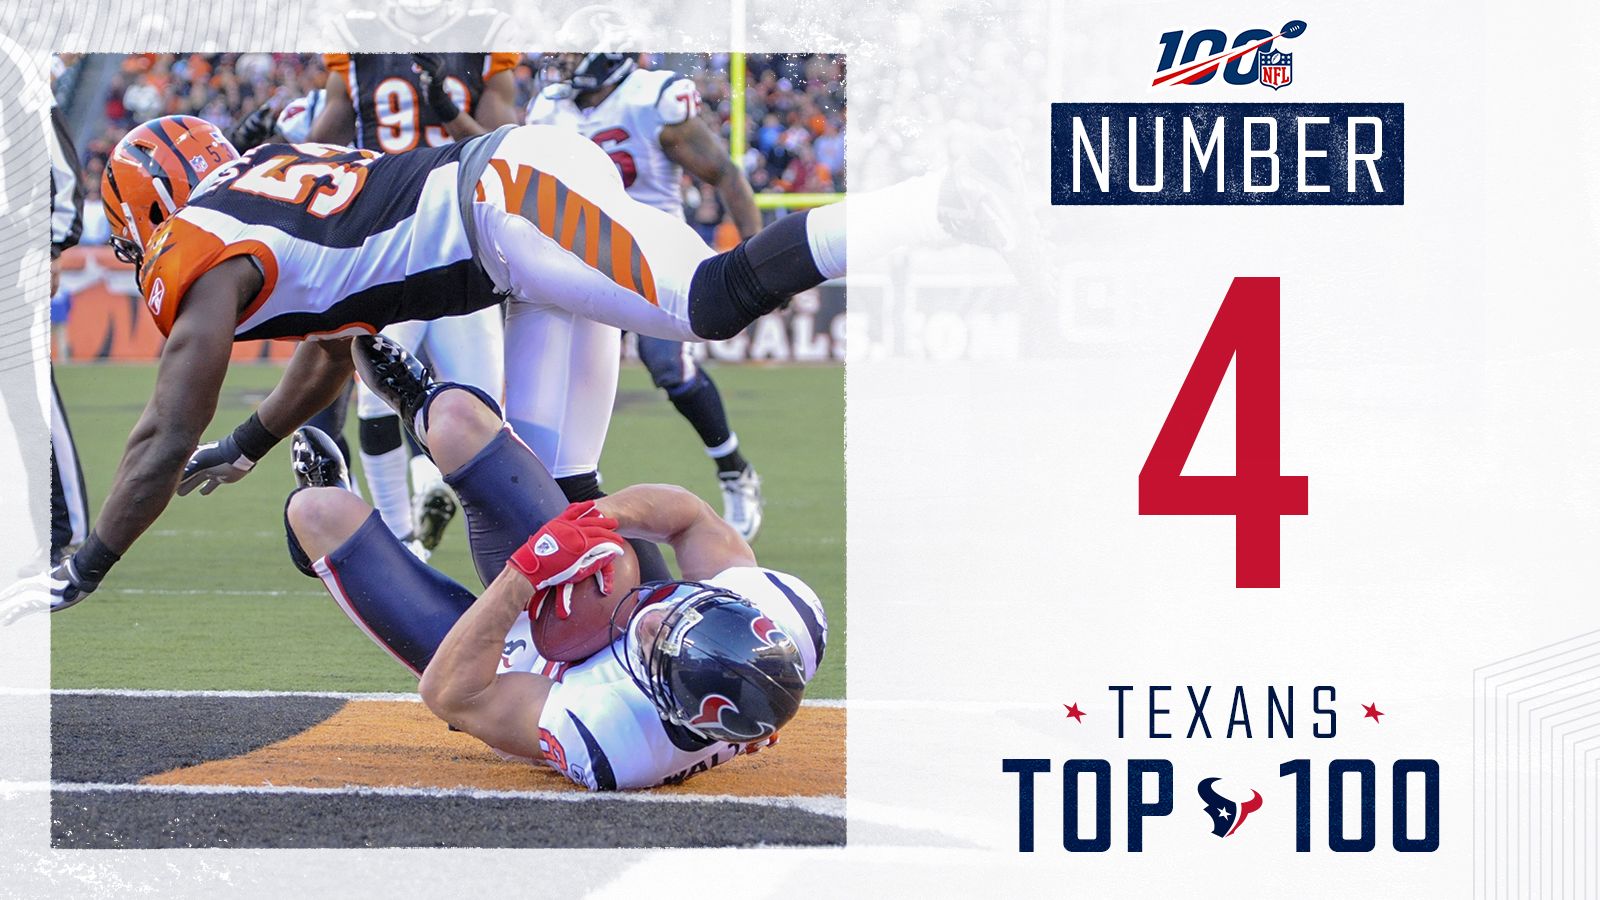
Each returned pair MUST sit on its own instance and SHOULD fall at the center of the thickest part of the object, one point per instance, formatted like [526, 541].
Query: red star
[1372, 712]
[1074, 713]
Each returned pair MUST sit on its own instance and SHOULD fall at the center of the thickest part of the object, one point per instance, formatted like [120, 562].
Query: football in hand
[588, 629]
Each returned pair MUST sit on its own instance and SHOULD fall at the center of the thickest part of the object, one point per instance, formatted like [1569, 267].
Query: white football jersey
[600, 730]
[294, 123]
[627, 125]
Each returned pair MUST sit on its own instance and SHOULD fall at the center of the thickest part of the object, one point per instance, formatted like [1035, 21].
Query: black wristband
[440, 102]
[253, 438]
[94, 559]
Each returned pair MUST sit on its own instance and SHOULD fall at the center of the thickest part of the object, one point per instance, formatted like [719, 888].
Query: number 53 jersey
[347, 241]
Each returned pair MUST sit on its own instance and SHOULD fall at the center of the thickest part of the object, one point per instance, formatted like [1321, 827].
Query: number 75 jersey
[627, 125]
[346, 241]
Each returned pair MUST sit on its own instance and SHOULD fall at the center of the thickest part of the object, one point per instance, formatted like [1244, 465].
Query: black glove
[430, 71]
[227, 460]
[254, 130]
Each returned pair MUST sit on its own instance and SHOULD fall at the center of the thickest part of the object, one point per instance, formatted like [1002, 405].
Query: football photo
[512, 532]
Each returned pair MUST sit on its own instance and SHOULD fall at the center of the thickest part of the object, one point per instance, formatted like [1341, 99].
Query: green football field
[207, 599]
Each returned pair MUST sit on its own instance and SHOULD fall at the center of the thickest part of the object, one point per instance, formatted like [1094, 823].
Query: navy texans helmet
[596, 70]
[717, 666]
[580, 73]
[602, 28]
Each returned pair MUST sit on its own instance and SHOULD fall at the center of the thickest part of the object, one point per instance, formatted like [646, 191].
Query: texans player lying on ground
[703, 670]
[318, 243]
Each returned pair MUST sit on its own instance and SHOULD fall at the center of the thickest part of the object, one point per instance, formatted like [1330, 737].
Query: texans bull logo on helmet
[764, 628]
[1226, 816]
[711, 710]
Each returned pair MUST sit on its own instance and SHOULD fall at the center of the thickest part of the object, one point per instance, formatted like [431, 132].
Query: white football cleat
[434, 504]
[741, 501]
[432, 509]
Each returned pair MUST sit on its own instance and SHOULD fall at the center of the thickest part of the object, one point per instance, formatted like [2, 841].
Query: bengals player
[394, 103]
[317, 243]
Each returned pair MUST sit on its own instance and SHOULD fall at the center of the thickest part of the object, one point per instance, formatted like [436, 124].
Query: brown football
[588, 629]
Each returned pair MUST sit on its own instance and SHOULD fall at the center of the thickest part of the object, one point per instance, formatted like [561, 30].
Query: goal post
[738, 143]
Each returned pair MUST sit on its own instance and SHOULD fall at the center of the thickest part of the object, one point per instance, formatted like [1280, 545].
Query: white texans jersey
[294, 123]
[601, 731]
[627, 125]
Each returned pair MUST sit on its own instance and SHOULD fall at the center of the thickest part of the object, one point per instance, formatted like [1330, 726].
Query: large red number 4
[1256, 495]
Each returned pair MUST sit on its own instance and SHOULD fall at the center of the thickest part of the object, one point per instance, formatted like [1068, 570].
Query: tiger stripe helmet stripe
[151, 172]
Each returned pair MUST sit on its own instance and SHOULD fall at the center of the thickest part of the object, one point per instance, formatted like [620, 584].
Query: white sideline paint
[207, 592]
[330, 695]
[833, 806]
[828, 703]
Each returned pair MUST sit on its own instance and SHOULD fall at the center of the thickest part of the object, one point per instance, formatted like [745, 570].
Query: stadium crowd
[795, 111]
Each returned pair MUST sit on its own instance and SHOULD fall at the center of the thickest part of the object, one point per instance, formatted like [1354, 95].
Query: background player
[744, 639]
[648, 123]
[392, 103]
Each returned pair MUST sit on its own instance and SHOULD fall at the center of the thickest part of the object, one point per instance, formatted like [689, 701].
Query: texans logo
[711, 710]
[510, 648]
[764, 628]
[1226, 815]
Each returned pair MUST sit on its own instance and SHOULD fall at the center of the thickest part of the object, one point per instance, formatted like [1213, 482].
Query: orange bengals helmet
[151, 173]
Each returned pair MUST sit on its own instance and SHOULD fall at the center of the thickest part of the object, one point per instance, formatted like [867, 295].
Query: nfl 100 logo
[1254, 151]
[1277, 69]
[1249, 57]
[1255, 154]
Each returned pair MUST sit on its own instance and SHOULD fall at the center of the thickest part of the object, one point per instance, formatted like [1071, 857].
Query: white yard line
[330, 695]
[210, 592]
[827, 703]
[833, 806]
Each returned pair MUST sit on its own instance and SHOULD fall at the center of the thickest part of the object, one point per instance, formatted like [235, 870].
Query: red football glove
[580, 543]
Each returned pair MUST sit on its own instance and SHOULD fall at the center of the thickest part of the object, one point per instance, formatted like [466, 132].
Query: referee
[69, 503]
